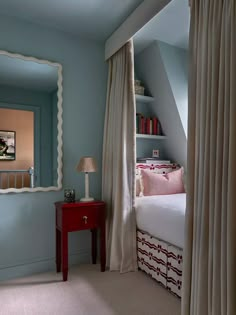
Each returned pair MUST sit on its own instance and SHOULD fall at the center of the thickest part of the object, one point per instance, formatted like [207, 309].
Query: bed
[160, 233]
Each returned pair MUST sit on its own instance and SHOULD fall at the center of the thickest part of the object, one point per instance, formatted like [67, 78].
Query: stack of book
[152, 161]
[147, 125]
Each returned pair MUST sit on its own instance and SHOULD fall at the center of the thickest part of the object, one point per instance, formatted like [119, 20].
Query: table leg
[64, 249]
[58, 250]
[103, 247]
[94, 245]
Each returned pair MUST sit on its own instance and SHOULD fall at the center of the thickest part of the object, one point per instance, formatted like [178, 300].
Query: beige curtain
[119, 154]
[209, 280]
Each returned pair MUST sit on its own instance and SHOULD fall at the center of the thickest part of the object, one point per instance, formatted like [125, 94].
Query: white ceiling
[171, 25]
[94, 19]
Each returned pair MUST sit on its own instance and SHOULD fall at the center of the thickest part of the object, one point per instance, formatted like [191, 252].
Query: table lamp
[87, 164]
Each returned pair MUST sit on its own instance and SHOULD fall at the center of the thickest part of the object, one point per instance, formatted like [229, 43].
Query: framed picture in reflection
[7, 145]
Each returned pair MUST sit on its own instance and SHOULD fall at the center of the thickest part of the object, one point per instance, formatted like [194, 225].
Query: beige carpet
[87, 292]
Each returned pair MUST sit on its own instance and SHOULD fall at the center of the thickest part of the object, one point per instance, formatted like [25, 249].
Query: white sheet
[163, 217]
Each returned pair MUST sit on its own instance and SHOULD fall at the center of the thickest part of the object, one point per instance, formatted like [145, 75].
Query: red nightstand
[78, 216]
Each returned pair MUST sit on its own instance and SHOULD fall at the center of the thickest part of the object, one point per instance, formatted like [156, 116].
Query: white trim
[59, 126]
[138, 18]
[146, 136]
[144, 98]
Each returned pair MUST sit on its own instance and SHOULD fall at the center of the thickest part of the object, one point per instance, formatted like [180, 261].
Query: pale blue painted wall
[18, 98]
[160, 81]
[175, 61]
[27, 225]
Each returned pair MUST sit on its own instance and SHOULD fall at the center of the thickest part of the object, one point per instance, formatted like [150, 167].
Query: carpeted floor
[87, 292]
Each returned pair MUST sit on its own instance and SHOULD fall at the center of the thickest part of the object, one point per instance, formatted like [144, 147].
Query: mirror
[30, 124]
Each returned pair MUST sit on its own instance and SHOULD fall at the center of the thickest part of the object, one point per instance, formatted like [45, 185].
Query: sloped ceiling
[94, 19]
[163, 70]
[171, 25]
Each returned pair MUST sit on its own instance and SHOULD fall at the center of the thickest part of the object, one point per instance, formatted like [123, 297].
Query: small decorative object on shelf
[139, 88]
[69, 195]
[155, 153]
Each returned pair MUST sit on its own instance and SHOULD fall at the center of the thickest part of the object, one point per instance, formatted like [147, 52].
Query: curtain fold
[119, 156]
[209, 277]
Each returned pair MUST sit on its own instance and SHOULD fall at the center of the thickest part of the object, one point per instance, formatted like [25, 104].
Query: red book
[148, 126]
[142, 124]
[145, 125]
[158, 128]
[154, 126]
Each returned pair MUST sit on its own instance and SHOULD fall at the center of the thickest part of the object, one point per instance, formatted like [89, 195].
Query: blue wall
[175, 61]
[18, 98]
[163, 69]
[27, 225]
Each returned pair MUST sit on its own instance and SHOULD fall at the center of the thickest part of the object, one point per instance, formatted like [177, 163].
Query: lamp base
[87, 199]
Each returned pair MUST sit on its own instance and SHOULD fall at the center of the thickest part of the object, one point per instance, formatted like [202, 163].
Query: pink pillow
[162, 184]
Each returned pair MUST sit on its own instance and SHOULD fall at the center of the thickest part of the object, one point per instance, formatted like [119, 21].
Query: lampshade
[87, 164]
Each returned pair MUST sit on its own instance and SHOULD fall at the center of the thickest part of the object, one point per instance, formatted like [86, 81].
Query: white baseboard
[37, 266]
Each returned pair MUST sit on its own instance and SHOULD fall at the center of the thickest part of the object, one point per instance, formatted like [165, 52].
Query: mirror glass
[30, 124]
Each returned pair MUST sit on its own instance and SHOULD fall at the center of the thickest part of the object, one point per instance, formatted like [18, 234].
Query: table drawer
[82, 219]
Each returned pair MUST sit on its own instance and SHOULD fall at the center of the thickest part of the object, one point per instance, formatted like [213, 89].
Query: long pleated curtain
[209, 277]
[119, 155]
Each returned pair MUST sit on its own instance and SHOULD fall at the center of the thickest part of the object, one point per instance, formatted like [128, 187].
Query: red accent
[157, 166]
[154, 126]
[172, 255]
[148, 126]
[162, 271]
[78, 216]
[153, 246]
[171, 280]
[159, 261]
[176, 270]
[142, 125]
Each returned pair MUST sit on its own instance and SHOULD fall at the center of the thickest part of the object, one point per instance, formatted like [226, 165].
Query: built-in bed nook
[160, 212]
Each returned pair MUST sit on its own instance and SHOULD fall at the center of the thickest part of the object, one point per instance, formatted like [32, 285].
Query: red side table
[79, 216]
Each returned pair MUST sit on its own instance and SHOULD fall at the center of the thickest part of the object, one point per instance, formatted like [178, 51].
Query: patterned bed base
[160, 260]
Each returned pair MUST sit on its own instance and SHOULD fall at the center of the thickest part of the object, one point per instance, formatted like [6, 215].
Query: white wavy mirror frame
[57, 183]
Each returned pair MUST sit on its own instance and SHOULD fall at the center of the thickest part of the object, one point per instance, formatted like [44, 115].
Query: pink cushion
[154, 168]
[162, 184]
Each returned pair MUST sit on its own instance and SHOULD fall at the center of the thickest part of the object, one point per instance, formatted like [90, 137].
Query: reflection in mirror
[31, 110]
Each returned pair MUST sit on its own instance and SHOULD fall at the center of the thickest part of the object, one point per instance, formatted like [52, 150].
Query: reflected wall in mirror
[31, 106]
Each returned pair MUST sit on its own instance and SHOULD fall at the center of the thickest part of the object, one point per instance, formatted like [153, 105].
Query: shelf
[143, 98]
[154, 137]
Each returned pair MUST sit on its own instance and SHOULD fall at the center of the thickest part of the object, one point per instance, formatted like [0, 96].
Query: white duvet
[162, 216]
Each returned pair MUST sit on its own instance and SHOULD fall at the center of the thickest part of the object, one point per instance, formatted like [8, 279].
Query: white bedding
[162, 216]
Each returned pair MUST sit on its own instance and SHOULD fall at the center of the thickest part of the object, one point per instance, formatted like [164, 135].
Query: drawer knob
[85, 218]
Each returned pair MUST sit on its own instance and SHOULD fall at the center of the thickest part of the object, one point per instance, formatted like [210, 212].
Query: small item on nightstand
[87, 164]
[69, 195]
